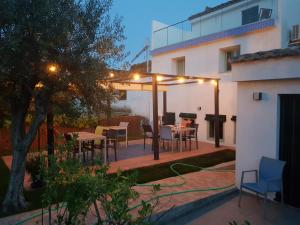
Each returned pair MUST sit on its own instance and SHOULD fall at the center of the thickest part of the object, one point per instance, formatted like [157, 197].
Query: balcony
[198, 31]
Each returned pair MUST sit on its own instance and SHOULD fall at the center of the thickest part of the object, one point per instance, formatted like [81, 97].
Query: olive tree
[50, 48]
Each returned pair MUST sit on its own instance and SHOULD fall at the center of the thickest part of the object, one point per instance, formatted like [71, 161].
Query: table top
[86, 136]
[182, 128]
[115, 127]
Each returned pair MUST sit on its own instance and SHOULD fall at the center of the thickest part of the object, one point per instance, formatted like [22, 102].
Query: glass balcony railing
[216, 27]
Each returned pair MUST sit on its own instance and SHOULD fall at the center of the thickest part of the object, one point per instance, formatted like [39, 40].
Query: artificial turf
[161, 171]
[144, 175]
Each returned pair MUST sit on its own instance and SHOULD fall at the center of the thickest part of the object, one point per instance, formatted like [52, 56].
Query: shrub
[75, 190]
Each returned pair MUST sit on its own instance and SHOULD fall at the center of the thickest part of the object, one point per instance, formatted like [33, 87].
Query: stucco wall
[258, 121]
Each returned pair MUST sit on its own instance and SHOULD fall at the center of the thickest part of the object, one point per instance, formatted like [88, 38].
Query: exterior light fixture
[39, 85]
[213, 82]
[159, 78]
[52, 68]
[181, 79]
[111, 74]
[136, 76]
[200, 81]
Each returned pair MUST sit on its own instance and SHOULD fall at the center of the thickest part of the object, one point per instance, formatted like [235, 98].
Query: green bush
[75, 189]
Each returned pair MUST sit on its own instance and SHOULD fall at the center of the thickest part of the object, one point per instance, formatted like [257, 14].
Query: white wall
[258, 121]
[204, 60]
[281, 68]
[289, 15]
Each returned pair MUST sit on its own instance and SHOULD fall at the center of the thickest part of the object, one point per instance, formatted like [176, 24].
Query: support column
[164, 103]
[217, 116]
[155, 118]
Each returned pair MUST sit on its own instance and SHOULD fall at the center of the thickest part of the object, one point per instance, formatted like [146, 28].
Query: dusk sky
[138, 15]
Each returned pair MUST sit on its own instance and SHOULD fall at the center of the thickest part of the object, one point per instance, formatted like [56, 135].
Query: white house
[268, 113]
[203, 45]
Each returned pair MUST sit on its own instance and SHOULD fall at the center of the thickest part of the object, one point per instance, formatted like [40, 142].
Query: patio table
[181, 130]
[118, 128]
[87, 136]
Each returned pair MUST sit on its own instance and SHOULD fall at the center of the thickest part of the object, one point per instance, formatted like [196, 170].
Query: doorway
[289, 147]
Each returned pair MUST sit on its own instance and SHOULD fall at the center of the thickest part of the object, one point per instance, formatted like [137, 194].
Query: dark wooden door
[289, 147]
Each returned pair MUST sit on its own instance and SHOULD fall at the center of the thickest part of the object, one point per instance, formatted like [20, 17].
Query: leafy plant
[76, 191]
[33, 166]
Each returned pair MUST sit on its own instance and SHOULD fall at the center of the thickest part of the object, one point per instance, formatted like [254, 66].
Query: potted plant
[33, 165]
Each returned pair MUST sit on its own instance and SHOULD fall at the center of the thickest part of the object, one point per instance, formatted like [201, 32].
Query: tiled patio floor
[136, 156]
[196, 180]
[225, 211]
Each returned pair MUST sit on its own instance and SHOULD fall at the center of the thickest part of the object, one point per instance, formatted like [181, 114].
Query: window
[227, 55]
[210, 118]
[180, 66]
[250, 15]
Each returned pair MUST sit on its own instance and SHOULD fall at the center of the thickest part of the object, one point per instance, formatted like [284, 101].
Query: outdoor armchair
[267, 180]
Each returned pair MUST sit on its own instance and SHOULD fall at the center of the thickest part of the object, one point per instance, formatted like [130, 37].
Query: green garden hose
[172, 168]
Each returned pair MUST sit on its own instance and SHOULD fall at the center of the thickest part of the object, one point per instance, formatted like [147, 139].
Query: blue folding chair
[268, 179]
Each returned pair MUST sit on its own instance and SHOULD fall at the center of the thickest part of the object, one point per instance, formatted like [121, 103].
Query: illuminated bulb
[52, 68]
[136, 77]
[181, 80]
[213, 82]
[159, 78]
[111, 74]
[200, 81]
[39, 85]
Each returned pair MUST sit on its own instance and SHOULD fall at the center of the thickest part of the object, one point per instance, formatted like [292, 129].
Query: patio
[193, 181]
[226, 210]
[135, 156]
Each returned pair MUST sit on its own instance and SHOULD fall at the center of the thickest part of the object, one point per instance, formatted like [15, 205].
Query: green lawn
[146, 174]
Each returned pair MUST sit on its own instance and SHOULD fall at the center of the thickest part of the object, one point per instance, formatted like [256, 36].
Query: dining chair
[111, 142]
[166, 134]
[123, 133]
[268, 179]
[193, 134]
[148, 133]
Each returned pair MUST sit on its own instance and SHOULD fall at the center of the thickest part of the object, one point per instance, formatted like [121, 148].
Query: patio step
[178, 214]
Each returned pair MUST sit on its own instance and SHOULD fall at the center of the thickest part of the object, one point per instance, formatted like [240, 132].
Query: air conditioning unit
[295, 33]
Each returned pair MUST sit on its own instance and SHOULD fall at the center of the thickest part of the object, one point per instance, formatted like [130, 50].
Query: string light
[52, 68]
[213, 82]
[111, 74]
[136, 76]
[200, 81]
[159, 78]
[181, 80]
[39, 85]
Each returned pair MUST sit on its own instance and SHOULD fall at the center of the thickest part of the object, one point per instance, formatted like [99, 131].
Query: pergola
[128, 80]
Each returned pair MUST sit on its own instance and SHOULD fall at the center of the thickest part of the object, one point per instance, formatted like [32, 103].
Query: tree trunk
[14, 200]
